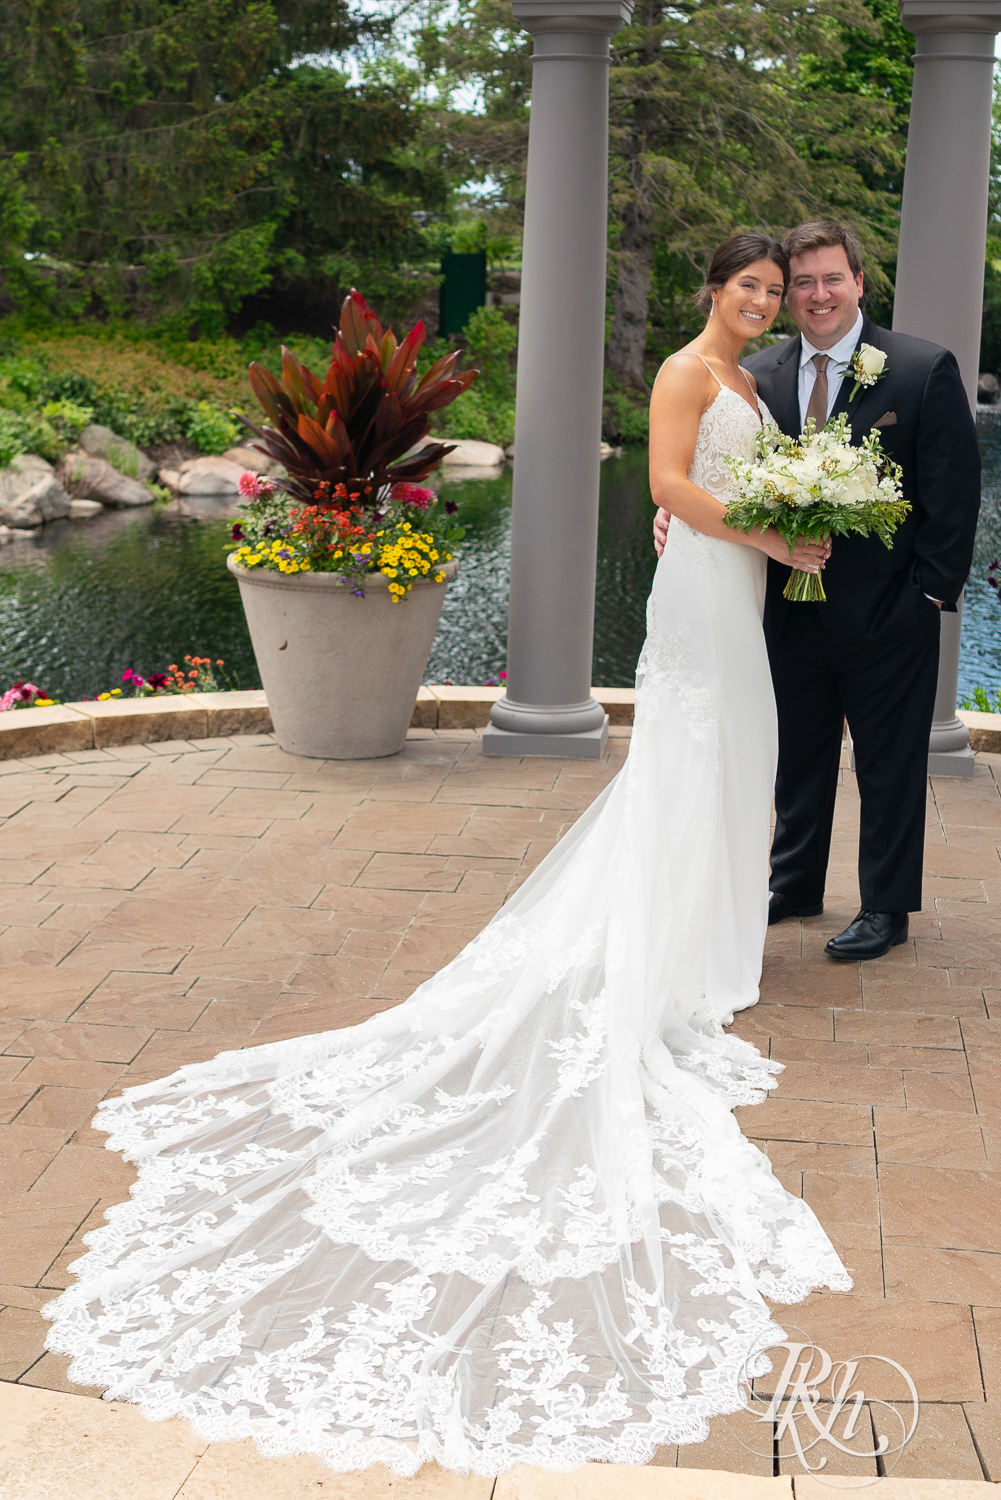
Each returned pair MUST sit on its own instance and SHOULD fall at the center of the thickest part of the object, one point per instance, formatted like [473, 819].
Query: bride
[513, 1219]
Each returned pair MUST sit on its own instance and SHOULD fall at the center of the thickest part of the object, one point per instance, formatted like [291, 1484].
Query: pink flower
[20, 692]
[412, 494]
[250, 485]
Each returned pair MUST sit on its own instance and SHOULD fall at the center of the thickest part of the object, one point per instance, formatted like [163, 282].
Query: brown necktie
[817, 407]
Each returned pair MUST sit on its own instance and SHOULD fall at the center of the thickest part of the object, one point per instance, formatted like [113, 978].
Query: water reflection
[81, 602]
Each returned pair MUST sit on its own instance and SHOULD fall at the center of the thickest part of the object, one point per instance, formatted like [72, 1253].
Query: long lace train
[513, 1219]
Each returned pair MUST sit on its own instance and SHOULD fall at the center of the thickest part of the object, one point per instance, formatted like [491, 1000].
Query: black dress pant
[885, 687]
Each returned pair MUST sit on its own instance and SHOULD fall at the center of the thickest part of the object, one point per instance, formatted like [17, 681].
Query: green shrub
[22, 376]
[68, 385]
[625, 416]
[48, 432]
[211, 430]
[490, 340]
[13, 436]
[146, 385]
[472, 417]
[67, 420]
[486, 411]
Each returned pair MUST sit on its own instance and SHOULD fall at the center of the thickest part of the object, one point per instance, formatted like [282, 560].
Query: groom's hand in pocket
[661, 522]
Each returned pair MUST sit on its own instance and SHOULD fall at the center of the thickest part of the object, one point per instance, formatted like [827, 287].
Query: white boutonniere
[867, 365]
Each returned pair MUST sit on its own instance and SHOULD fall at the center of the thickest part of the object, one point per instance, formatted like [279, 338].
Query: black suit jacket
[926, 426]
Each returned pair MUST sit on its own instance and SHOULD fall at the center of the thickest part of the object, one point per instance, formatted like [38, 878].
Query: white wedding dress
[512, 1219]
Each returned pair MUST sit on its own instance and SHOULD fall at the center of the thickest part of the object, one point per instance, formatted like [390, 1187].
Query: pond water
[81, 602]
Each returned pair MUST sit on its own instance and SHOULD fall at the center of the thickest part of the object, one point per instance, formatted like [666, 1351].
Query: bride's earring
[712, 307]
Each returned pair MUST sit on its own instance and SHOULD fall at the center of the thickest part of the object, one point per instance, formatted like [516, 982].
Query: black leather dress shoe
[779, 908]
[872, 934]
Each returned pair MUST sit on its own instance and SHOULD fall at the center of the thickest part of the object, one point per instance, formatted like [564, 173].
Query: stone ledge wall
[202, 716]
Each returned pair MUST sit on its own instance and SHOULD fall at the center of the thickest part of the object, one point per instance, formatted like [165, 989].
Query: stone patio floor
[161, 903]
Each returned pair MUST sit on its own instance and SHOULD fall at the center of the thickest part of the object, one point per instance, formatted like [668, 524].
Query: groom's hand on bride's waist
[661, 522]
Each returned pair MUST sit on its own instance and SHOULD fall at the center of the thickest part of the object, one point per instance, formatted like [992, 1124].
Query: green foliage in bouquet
[817, 486]
[358, 427]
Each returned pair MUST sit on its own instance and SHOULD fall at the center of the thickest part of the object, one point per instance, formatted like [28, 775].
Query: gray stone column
[547, 708]
[943, 225]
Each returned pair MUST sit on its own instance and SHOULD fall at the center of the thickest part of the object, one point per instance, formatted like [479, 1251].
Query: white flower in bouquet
[816, 486]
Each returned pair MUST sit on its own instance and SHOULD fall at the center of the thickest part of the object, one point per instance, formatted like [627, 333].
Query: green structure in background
[463, 288]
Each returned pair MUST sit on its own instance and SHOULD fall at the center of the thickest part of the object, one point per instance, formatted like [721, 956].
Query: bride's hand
[806, 556]
[661, 522]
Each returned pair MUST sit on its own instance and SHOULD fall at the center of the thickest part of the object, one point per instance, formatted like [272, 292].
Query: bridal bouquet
[815, 486]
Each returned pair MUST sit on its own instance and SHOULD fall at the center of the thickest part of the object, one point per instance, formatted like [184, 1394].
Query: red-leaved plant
[355, 427]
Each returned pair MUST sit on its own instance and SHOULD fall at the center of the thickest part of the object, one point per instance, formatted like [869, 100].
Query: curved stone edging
[207, 716]
[985, 729]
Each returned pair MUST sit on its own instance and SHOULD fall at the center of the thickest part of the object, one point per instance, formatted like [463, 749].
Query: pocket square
[888, 419]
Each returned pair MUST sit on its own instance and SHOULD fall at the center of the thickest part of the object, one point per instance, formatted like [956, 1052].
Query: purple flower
[450, 507]
[237, 533]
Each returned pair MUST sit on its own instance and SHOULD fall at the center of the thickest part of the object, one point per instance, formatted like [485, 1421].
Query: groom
[870, 653]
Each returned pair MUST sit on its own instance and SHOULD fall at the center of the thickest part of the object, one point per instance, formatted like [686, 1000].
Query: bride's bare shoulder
[682, 365]
[683, 381]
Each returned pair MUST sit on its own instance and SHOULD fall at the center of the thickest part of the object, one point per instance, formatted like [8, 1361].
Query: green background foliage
[186, 183]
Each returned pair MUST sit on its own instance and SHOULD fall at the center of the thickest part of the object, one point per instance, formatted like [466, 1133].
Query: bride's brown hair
[736, 253]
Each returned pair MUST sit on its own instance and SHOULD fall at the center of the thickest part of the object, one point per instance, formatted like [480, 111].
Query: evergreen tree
[212, 144]
[725, 114]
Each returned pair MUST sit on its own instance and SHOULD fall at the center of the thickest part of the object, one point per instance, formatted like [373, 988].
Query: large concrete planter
[340, 673]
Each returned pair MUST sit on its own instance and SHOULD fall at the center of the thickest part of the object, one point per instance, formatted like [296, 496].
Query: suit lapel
[785, 388]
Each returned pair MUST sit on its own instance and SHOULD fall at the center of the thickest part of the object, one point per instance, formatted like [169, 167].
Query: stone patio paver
[161, 903]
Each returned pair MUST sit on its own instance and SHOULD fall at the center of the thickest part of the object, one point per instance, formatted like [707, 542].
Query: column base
[951, 762]
[585, 744]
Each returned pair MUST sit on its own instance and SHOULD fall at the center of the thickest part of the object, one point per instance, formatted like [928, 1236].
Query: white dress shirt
[841, 355]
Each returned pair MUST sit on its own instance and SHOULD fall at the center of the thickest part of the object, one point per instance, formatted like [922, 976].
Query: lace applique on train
[512, 1220]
